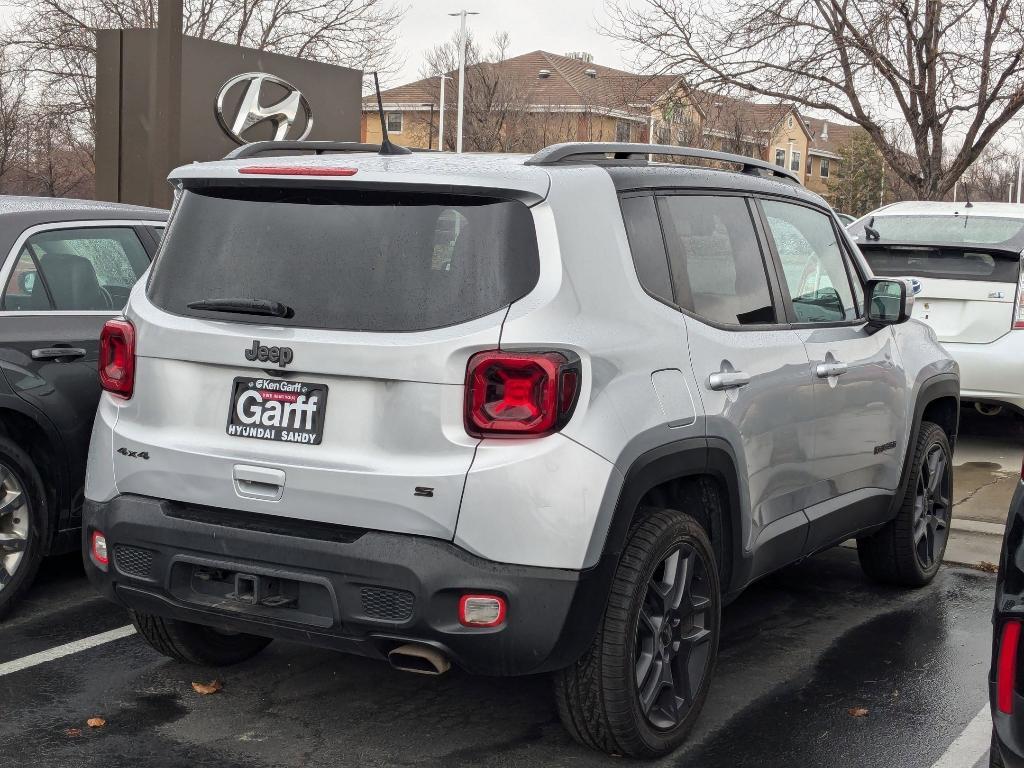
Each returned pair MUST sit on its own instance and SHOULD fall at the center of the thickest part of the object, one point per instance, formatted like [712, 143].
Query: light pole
[462, 73]
[440, 118]
[1020, 161]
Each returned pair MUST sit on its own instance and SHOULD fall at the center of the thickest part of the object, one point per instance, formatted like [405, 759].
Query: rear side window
[91, 269]
[647, 245]
[346, 260]
[717, 266]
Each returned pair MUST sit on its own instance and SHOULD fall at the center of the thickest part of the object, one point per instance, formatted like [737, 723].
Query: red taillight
[117, 358]
[520, 394]
[295, 170]
[482, 610]
[1006, 666]
[98, 545]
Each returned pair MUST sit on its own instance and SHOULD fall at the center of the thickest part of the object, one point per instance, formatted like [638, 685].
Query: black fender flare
[688, 457]
[939, 386]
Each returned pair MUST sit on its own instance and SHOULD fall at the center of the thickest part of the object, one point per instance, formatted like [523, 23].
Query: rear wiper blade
[262, 307]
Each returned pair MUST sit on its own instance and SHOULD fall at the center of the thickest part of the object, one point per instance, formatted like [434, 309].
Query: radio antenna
[386, 147]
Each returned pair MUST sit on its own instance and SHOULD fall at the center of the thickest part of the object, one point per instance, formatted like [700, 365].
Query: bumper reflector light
[481, 610]
[99, 548]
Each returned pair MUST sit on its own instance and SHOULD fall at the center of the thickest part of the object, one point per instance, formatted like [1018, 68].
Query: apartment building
[526, 102]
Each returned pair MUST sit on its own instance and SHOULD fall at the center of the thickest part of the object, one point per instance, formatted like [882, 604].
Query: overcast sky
[557, 26]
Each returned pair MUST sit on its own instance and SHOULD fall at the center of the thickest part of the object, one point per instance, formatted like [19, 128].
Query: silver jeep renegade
[516, 414]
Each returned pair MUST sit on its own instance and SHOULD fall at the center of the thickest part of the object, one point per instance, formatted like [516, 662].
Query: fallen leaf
[205, 689]
[72, 732]
[95, 722]
[857, 712]
[988, 567]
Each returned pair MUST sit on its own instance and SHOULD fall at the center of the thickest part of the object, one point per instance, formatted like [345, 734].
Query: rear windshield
[346, 260]
[949, 263]
[952, 230]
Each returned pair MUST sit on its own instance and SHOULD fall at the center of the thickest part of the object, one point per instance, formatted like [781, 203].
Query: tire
[598, 698]
[24, 524]
[194, 643]
[908, 550]
[995, 757]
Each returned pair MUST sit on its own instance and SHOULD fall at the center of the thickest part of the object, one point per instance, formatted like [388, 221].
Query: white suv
[964, 260]
[516, 414]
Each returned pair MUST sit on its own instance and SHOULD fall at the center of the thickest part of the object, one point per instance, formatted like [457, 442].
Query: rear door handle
[58, 353]
[728, 380]
[828, 370]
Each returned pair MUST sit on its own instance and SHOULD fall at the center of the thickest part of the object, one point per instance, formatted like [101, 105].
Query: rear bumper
[992, 372]
[363, 592]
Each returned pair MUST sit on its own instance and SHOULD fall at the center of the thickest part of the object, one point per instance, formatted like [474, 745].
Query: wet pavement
[800, 650]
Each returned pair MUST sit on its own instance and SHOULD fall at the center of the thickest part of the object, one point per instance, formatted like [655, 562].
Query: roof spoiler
[316, 147]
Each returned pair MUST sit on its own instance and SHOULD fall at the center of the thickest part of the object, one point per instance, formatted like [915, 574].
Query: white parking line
[971, 745]
[67, 649]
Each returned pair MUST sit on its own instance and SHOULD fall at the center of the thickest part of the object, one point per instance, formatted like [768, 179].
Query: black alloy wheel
[673, 637]
[932, 506]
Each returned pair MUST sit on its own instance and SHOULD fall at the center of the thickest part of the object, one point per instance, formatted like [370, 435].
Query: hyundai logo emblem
[282, 114]
[915, 285]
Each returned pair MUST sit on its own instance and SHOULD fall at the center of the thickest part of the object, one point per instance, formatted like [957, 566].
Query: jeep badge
[280, 355]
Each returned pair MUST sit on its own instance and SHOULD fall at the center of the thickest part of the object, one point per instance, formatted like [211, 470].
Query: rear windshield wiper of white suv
[261, 307]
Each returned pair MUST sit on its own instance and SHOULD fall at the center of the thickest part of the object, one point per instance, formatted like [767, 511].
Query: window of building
[394, 122]
[794, 161]
[810, 165]
[717, 268]
[789, 122]
[622, 130]
[823, 167]
[780, 157]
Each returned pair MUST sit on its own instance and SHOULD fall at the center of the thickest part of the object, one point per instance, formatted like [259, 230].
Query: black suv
[66, 268]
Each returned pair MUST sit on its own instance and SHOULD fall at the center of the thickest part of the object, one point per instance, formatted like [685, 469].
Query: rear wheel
[24, 524]
[194, 643]
[640, 686]
[908, 551]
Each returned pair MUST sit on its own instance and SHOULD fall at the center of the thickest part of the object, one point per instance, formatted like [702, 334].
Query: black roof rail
[588, 151]
[317, 147]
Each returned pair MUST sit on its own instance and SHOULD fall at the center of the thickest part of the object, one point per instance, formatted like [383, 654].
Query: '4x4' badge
[134, 454]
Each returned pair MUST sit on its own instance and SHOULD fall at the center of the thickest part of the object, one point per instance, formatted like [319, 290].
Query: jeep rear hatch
[967, 292]
[301, 350]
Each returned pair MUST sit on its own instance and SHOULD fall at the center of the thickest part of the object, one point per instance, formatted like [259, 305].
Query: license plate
[279, 410]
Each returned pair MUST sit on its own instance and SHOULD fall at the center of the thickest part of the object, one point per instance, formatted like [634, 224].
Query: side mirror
[890, 301]
[26, 281]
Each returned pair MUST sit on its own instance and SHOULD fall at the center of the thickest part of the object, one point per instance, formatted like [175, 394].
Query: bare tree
[498, 114]
[911, 73]
[12, 100]
[993, 175]
[53, 162]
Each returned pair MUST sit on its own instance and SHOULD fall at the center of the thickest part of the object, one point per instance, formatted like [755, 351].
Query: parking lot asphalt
[800, 651]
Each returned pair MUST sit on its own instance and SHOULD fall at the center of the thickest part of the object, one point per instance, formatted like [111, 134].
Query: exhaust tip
[421, 659]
